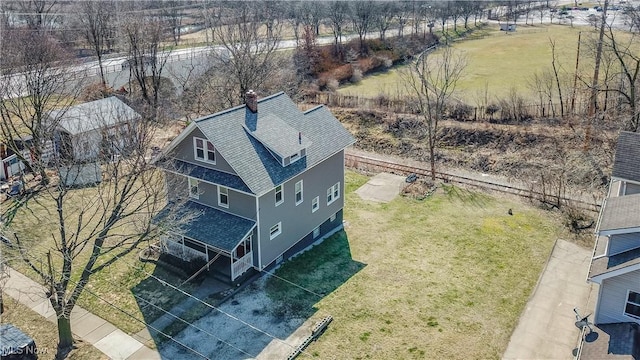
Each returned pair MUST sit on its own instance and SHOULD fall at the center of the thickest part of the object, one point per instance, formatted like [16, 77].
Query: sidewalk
[103, 335]
[546, 329]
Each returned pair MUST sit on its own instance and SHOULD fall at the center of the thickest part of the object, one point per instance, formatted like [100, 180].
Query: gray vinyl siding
[240, 204]
[613, 297]
[184, 151]
[631, 189]
[623, 242]
[298, 221]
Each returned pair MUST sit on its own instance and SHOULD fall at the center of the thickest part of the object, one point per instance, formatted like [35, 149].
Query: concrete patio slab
[383, 187]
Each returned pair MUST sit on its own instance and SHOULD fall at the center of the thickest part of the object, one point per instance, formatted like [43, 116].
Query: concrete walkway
[103, 335]
[546, 329]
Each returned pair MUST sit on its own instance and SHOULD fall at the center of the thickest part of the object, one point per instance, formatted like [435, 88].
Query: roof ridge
[237, 107]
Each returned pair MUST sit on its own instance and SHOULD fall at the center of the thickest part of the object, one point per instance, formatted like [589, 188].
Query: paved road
[546, 329]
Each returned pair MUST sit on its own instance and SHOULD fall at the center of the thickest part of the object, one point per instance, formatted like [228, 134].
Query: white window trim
[295, 157]
[316, 230]
[331, 193]
[626, 301]
[298, 202]
[205, 150]
[333, 217]
[191, 194]
[273, 235]
[220, 203]
[281, 194]
[315, 204]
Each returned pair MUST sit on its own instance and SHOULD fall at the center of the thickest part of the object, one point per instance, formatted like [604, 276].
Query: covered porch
[223, 241]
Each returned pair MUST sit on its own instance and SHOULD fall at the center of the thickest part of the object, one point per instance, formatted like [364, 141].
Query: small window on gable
[275, 231]
[279, 195]
[315, 204]
[632, 307]
[293, 158]
[223, 196]
[204, 150]
[299, 192]
[194, 192]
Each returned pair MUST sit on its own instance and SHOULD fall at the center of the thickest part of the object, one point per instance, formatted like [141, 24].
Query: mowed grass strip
[44, 333]
[446, 277]
[497, 62]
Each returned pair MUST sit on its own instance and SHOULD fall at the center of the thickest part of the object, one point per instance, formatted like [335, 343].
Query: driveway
[546, 329]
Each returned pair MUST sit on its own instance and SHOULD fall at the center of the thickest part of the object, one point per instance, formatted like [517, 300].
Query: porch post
[206, 251]
[182, 242]
[233, 276]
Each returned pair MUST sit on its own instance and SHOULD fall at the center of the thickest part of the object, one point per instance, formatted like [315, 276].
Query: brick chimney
[251, 99]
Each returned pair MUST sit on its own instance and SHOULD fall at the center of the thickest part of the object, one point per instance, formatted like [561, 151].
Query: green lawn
[497, 62]
[446, 277]
[117, 284]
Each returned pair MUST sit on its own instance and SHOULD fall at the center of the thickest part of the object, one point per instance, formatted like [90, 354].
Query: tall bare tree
[337, 14]
[249, 55]
[87, 229]
[97, 19]
[362, 20]
[432, 80]
[384, 14]
[32, 86]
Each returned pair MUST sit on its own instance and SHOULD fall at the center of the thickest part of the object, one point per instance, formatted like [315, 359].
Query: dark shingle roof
[626, 164]
[620, 212]
[93, 115]
[203, 173]
[277, 135]
[608, 264]
[210, 226]
[252, 161]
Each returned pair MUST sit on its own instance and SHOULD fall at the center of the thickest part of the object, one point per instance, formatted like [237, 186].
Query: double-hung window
[204, 150]
[299, 192]
[333, 193]
[632, 308]
[279, 195]
[315, 204]
[223, 196]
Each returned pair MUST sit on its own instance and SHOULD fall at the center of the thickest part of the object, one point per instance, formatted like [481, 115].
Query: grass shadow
[465, 196]
[303, 281]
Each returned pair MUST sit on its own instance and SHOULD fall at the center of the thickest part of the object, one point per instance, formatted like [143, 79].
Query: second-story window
[194, 191]
[315, 204]
[299, 192]
[333, 193]
[279, 195]
[204, 150]
[223, 196]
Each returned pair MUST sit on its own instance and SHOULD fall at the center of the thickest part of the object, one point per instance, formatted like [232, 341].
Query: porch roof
[607, 266]
[209, 226]
[620, 212]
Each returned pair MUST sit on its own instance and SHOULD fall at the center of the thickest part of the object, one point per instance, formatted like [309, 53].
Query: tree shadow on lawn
[304, 280]
[466, 196]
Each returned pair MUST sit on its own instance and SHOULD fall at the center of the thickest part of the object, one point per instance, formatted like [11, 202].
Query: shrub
[462, 112]
[357, 76]
[332, 84]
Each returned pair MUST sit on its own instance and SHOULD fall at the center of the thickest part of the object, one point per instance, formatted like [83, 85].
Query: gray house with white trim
[264, 180]
[615, 265]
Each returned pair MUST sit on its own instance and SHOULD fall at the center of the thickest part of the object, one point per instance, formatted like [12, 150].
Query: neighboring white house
[616, 262]
[94, 129]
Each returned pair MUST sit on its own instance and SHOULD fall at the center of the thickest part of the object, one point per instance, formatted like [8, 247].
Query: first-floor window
[223, 196]
[193, 188]
[332, 218]
[633, 305]
[275, 231]
[316, 232]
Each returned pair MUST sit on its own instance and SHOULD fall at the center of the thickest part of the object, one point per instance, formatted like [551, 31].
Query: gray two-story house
[264, 180]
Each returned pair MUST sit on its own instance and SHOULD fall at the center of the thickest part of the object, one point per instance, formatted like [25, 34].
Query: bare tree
[98, 22]
[91, 227]
[313, 12]
[33, 87]
[384, 13]
[362, 19]
[38, 13]
[147, 57]
[249, 55]
[337, 13]
[173, 14]
[557, 69]
[432, 80]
